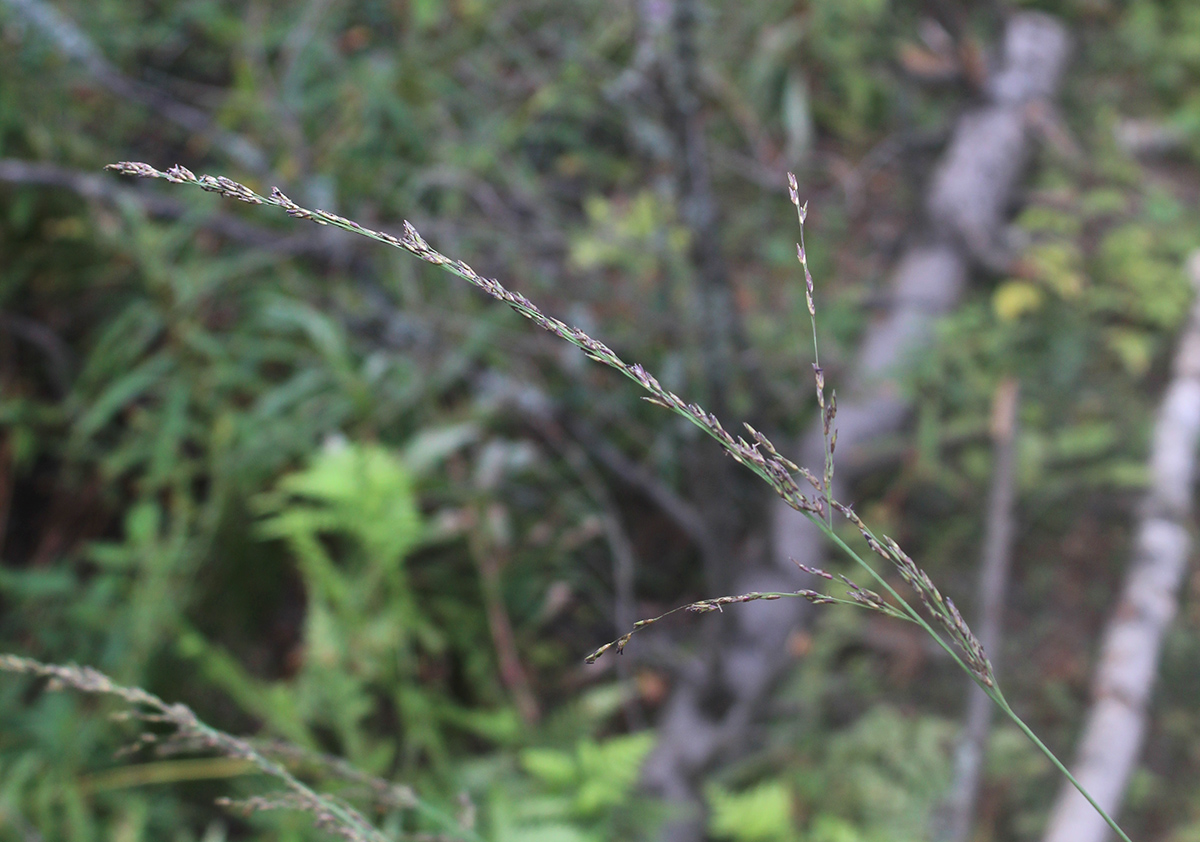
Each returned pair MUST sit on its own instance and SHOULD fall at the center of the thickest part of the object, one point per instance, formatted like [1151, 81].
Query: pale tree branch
[993, 585]
[1115, 727]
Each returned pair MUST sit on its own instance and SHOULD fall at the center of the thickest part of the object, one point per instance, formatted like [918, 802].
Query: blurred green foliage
[1159, 40]
[298, 490]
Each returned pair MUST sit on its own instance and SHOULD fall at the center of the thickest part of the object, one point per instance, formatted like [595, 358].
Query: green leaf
[552, 767]
[613, 767]
[760, 814]
[362, 490]
[121, 393]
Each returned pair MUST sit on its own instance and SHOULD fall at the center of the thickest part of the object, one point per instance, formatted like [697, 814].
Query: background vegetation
[321, 495]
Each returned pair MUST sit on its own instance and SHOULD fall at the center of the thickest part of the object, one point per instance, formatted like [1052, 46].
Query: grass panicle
[760, 456]
[190, 734]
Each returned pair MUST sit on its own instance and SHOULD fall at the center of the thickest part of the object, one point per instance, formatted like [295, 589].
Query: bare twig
[993, 583]
[682, 513]
[624, 556]
[490, 555]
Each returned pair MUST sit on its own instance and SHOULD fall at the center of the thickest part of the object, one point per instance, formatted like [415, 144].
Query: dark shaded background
[322, 493]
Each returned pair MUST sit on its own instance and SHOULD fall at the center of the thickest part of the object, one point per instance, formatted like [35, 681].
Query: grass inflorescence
[191, 734]
[758, 454]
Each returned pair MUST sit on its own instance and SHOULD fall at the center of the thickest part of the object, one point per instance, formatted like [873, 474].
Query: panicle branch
[861, 597]
[828, 411]
[760, 457]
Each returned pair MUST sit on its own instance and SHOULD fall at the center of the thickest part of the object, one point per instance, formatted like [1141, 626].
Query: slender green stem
[1000, 701]
[993, 692]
